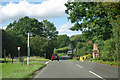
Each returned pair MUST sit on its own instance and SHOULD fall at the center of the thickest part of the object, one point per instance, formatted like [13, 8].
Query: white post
[28, 51]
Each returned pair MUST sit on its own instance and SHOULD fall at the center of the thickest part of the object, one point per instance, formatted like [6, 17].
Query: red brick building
[96, 52]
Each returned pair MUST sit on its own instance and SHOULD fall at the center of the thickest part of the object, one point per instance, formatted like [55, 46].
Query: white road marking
[47, 62]
[97, 75]
[41, 70]
[79, 66]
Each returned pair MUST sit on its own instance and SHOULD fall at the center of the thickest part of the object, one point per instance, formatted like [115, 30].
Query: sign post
[28, 51]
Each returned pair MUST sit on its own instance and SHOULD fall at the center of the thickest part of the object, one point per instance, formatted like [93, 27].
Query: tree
[49, 30]
[43, 35]
[34, 27]
[62, 41]
[92, 18]
[77, 38]
[25, 25]
[38, 45]
[10, 43]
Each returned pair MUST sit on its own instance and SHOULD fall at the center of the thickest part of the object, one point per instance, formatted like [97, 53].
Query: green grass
[17, 70]
[108, 62]
[35, 58]
[0, 71]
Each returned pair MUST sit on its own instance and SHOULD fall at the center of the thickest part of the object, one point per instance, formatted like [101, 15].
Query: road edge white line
[97, 75]
[41, 70]
[79, 66]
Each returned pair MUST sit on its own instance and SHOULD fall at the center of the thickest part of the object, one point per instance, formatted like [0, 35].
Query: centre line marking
[79, 66]
[97, 75]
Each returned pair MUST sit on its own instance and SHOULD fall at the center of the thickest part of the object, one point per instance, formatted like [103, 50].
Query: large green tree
[34, 27]
[25, 25]
[92, 18]
[49, 30]
[42, 35]
[10, 42]
[38, 46]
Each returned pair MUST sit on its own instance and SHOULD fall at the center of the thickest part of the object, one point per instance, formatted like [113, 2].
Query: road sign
[18, 48]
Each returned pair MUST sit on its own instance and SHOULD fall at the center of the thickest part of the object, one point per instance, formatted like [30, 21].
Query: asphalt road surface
[78, 69]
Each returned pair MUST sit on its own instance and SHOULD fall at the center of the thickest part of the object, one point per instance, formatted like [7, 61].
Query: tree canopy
[34, 27]
[42, 36]
[62, 41]
[92, 18]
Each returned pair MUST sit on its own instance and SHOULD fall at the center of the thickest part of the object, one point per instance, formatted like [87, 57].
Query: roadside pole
[28, 51]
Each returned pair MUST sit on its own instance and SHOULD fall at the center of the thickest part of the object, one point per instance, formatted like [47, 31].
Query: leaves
[62, 41]
[33, 26]
[95, 16]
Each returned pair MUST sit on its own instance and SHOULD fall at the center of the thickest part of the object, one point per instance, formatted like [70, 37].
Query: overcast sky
[52, 10]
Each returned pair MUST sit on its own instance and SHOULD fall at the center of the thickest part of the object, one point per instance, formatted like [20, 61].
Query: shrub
[108, 52]
[61, 50]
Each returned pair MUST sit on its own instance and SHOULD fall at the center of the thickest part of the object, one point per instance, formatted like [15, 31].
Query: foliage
[34, 27]
[10, 42]
[25, 25]
[42, 37]
[38, 45]
[100, 44]
[49, 30]
[92, 18]
[108, 50]
[61, 50]
[99, 22]
[85, 48]
[50, 48]
[116, 36]
[62, 41]
[77, 38]
[62, 54]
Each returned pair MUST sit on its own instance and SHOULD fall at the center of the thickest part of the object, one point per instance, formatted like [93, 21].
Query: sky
[52, 10]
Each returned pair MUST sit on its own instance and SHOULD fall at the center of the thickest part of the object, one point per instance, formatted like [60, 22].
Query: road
[77, 69]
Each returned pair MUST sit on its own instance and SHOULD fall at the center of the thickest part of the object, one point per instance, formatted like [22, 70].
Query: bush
[108, 53]
[62, 54]
[97, 58]
[61, 50]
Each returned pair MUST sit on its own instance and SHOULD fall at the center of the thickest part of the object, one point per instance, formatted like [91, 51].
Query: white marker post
[18, 51]
[28, 51]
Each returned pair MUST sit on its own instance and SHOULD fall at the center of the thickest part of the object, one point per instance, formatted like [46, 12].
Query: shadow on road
[63, 58]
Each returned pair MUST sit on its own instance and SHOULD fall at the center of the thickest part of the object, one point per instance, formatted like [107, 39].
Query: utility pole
[28, 50]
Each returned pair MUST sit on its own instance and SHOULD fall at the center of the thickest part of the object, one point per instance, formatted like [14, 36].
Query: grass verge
[19, 71]
[35, 58]
[116, 64]
[0, 71]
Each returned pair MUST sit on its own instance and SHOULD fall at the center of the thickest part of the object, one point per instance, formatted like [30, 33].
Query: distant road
[77, 69]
